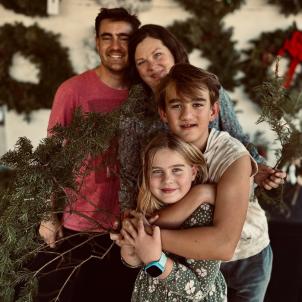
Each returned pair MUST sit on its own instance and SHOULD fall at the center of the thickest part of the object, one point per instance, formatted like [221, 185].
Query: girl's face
[153, 61]
[171, 176]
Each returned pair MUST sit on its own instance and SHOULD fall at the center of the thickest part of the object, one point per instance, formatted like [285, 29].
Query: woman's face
[153, 61]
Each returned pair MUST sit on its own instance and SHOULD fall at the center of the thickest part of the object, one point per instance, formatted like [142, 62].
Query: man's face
[112, 44]
[188, 117]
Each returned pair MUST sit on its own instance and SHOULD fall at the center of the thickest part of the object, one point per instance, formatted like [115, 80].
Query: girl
[170, 166]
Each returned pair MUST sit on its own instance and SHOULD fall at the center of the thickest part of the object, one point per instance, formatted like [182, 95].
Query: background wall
[75, 25]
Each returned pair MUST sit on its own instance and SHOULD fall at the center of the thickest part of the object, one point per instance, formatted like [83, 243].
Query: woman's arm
[173, 216]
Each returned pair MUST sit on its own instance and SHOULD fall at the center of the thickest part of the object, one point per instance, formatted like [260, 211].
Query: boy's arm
[220, 240]
[173, 216]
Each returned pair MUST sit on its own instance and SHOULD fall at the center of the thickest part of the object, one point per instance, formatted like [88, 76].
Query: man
[102, 89]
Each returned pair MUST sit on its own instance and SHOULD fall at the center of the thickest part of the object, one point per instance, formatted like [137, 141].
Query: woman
[153, 50]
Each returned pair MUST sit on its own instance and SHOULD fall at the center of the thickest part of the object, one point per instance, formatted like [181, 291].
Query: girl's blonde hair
[147, 203]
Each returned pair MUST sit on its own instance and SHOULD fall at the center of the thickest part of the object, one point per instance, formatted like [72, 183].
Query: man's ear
[214, 111]
[163, 115]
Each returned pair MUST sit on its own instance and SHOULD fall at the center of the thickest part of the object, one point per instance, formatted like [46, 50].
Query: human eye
[124, 38]
[105, 37]
[175, 106]
[177, 170]
[156, 172]
[140, 62]
[157, 54]
[198, 104]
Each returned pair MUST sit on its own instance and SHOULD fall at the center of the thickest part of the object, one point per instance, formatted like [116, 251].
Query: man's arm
[220, 240]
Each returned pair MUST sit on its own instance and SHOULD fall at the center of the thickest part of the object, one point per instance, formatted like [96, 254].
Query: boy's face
[189, 117]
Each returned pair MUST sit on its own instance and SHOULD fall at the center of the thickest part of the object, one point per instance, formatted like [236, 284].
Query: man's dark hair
[187, 80]
[116, 14]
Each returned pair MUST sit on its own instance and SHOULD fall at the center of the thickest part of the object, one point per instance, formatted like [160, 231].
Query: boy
[230, 167]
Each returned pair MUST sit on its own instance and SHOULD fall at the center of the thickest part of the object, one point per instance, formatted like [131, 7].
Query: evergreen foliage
[205, 31]
[40, 174]
[27, 7]
[41, 48]
[288, 7]
[260, 57]
[281, 110]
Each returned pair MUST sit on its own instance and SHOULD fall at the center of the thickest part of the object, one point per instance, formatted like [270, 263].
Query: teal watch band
[156, 268]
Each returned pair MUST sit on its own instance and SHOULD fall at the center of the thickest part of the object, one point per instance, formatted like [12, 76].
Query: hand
[147, 247]
[51, 230]
[129, 255]
[136, 216]
[269, 178]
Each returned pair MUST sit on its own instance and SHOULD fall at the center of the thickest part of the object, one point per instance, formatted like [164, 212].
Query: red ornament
[293, 47]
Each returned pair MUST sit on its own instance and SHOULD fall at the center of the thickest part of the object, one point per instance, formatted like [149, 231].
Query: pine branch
[280, 110]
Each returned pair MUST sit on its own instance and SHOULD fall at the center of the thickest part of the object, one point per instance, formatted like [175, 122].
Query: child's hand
[129, 256]
[147, 247]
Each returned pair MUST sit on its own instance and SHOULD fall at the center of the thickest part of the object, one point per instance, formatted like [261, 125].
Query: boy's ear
[163, 115]
[214, 111]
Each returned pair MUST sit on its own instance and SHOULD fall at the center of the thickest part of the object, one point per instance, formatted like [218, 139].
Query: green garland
[27, 7]
[40, 47]
[259, 59]
[205, 31]
[218, 9]
[288, 7]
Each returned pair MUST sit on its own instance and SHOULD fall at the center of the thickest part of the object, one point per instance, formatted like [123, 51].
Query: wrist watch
[156, 268]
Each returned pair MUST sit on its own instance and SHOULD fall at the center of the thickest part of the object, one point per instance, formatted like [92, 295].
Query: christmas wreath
[205, 31]
[218, 8]
[288, 7]
[41, 48]
[27, 7]
[260, 57]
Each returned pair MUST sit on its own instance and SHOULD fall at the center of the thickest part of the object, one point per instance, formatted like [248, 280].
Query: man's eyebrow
[110, 35]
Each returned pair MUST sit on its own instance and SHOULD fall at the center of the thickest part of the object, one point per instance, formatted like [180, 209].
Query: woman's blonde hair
[147, 203]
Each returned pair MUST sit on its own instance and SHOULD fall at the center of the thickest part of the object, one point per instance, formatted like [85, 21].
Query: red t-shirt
[98, 195]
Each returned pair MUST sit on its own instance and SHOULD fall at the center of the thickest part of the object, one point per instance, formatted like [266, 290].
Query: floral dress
[189, 280]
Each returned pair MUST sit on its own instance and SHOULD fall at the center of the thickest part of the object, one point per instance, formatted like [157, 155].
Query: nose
[115, 44]
[150, 65]
[186, 113]
[168, 178]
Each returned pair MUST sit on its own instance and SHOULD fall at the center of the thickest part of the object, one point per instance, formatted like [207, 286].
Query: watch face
[154, 271]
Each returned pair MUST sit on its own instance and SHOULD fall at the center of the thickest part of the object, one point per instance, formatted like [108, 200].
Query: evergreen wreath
[218, 8]
[40, 47]
[288, 7]
[205, 31]
[27, 7]
[259, 59]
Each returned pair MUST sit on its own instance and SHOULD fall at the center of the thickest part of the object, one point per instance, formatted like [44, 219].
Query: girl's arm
[180, 279]
[129, 257]
[173, 216]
